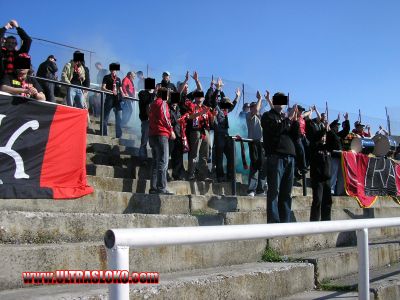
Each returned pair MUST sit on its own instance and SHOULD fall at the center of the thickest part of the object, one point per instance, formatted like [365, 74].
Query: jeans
[160, 152]
[322, 200]
[337, 177]
[144, 139]
[280, 173]
[108, 106]
[72, 94]
[258, 168]
[48, 90]
[127, 109]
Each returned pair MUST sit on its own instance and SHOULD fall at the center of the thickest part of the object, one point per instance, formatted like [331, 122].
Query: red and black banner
[366, 177]
[42, 150]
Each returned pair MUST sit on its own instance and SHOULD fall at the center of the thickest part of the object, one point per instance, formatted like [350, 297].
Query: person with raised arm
[279, 134]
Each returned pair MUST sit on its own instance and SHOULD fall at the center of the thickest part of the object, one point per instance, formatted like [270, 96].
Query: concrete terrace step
[19, 227]
[384, 282]
[247, 281]
[183, 187]
[338, 262]
[15, 259]
[322, 295]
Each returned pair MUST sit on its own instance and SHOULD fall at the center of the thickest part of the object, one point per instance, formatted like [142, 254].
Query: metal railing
[118, 241]
[236, 139]
[102, 93]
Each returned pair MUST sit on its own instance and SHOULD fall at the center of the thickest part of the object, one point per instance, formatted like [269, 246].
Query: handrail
[118, 241]
[238, 139]
[101, 92]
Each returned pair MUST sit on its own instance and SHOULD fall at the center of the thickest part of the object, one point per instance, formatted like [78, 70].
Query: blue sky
[340, 51]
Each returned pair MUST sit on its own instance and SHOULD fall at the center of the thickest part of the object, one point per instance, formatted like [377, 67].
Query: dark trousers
[199, 150]
[223, 145]
[176, 151]
[109, 105]
[280, 173]
[258, 168]
[322, 200]
[144, 139]
[302, 154]
[160, 153]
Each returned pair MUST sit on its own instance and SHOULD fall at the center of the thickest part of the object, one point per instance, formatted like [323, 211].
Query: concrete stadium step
[384, 282]
[19, 227]
[126, 132]
[108, 140]
[246, 281]
[342, 261]
[184, 187]
[16, 259]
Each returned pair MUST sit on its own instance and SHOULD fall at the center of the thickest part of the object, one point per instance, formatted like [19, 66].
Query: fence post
[102, 113]
[118, 258]
[234, 166]
[363, 264]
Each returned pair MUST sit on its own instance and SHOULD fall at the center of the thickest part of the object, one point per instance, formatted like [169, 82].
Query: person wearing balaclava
[279, 134]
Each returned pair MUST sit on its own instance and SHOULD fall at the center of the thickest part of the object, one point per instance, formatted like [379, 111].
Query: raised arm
[195, 77]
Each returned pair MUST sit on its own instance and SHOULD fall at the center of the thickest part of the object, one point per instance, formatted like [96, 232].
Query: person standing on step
[279, 134]
[48, 69]
[320, 173]
[160, 131]
[127, 105]
[258, 174]
[112, 84]
[74, 73]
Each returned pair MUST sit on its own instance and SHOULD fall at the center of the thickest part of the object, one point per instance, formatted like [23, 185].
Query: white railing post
[118, 259]
[363, 264]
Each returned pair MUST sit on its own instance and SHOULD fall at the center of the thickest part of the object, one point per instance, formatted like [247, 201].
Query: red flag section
[64, 164]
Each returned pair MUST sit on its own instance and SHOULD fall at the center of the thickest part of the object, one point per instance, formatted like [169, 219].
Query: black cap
[52, 56]
[300, 108]
[114, 67]
[253, 104]
[22, 61]
[149, 83]
[279, 99]
[358, 123]
[226, 103]
[246, 105]
[79, 56]
[198, 94]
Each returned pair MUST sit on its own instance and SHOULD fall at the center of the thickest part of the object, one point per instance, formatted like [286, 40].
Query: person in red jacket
[127, 105]
[160, 131]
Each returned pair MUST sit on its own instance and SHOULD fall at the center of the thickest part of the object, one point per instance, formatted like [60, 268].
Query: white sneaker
[251, 194]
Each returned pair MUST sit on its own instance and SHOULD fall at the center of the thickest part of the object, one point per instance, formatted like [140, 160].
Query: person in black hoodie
[176, 146]
[48, 69]
[9, 52]
[320, 173]
[334, 143]
[166, 82]
[279, 134]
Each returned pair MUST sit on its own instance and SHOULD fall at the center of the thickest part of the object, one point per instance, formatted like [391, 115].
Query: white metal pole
[363, 264]
[118, 259]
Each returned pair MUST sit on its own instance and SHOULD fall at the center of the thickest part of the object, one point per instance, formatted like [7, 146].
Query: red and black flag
[42, 150]
[366, 177]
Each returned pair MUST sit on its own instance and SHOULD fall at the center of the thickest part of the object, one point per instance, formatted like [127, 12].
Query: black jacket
[320, 163]
[212, 98]
[168, 85]
[279, 133]
[47, 69]
[334, 140]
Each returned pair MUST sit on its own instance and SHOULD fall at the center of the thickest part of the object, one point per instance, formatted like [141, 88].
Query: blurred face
[279, 108]
[335, 128]
[174, 106]
[246, 109]
[99, 66]
[253, 109]
[359, 129]
[22, 74]
[199, 100]
[113, 73]
[133, 76]
[322, 117]
[166, 78]
[10, 44]
[185, 88]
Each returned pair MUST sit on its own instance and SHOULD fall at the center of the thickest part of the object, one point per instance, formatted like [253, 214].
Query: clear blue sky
[343, 51]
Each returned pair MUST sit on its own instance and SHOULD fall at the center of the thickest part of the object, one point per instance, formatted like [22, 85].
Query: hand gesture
[367, 127]
[266, 95]
[338, 117]
[237, 93]
[346, 116]
[212, 83]
[8, 26]
[195, 76]
[14, 23]
[187, 76]
[258, 95]
[219, 83]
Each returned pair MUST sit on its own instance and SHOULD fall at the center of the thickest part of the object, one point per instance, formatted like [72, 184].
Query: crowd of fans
[287, 142]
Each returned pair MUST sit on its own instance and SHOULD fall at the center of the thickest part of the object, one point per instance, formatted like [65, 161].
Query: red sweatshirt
[159, 119]
[128, 87]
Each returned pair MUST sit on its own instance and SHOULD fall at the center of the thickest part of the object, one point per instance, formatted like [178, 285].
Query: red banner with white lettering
[42, 150]
[366, 177]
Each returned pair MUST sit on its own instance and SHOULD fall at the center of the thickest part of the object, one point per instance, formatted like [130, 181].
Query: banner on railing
[366, 177]
[42, 150]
